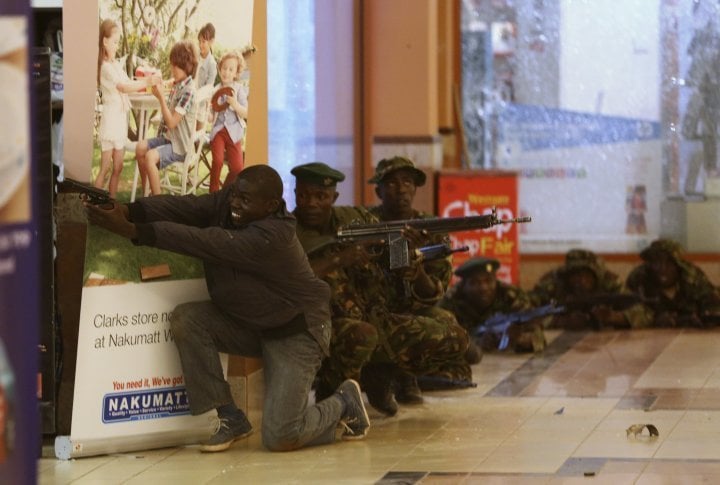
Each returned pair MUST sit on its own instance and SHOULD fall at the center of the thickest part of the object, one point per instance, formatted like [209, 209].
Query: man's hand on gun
[114, 218]
[422, 283]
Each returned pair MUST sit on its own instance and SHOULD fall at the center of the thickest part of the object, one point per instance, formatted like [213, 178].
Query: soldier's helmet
[663, 246]
[576, 259]
[388, 165]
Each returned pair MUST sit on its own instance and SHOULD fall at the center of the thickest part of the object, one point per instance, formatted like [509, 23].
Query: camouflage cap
[388, 165]
[662, 246]
[318, 173]
[477, 265]
[576, 259]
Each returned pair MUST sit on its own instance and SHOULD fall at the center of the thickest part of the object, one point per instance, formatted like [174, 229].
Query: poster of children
[172, 100]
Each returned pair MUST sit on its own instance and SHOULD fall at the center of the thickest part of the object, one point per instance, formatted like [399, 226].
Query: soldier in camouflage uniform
[678, 293]
[584, 275]
[360, 290]
[353, 339]
[397, 180]
[479, 295]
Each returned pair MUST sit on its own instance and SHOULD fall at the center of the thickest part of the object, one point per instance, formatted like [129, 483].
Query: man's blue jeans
[201, 330]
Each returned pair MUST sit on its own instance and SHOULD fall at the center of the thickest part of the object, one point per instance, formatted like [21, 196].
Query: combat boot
[473, 354]
[376, 381]
[407, 390]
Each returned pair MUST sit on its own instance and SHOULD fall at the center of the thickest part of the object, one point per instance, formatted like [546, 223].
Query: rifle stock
[397, 245]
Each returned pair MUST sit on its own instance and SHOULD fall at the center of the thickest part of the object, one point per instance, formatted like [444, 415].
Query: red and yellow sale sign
[472, 193]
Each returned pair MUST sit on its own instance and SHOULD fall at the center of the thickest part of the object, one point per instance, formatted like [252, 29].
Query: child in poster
[228, 129]
[175, 134]
[114, 86]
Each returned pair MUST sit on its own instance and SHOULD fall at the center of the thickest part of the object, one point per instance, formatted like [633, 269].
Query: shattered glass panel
[606, 110]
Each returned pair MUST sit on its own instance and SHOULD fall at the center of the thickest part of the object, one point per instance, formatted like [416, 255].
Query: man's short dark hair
[265, 177]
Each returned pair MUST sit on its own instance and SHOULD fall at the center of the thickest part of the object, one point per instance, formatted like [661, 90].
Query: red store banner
[477, 192]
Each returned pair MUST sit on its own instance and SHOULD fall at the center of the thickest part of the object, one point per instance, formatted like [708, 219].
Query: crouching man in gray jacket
[265, 301]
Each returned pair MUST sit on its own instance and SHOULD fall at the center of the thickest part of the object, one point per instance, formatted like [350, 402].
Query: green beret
[477, 265]
[317, 173]
[388, 165]
[659, 246]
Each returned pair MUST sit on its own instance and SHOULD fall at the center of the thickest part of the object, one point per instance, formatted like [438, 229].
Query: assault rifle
[499, 323]
[92, 194]
[427, 253]
[397, 245]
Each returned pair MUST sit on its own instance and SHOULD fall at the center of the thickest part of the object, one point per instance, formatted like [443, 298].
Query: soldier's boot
[407, 390]
[376, 381]
[473, 354]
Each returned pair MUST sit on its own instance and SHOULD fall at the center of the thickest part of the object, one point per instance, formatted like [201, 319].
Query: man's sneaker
[227, 430]
[355, 418]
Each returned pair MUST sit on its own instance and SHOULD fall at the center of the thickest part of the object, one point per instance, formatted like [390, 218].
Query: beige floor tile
[696, 436]
[169, 477]
[505, 479]
[700, 449]
[602, 479]
[460, 462]
[527, 458]
[688, 362]
[67, 471]
[662, 479]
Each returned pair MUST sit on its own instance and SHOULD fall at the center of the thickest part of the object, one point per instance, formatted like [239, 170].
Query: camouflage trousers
[351, 345]
[428, 342]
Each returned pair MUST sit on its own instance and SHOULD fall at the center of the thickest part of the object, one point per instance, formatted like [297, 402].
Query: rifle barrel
[433, 226]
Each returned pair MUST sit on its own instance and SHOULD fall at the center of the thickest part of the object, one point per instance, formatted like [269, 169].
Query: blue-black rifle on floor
[500, 323]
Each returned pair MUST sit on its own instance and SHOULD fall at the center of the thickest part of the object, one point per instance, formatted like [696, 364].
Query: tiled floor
[559, 417]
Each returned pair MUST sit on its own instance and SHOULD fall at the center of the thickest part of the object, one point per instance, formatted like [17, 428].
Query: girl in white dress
[114, 85]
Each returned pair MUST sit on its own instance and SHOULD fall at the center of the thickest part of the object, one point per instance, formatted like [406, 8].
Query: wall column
[400, 67]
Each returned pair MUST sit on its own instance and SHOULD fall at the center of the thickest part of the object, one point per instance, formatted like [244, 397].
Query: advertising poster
[129, 387]
[473, 193]
[587, 180]
[19, 256]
